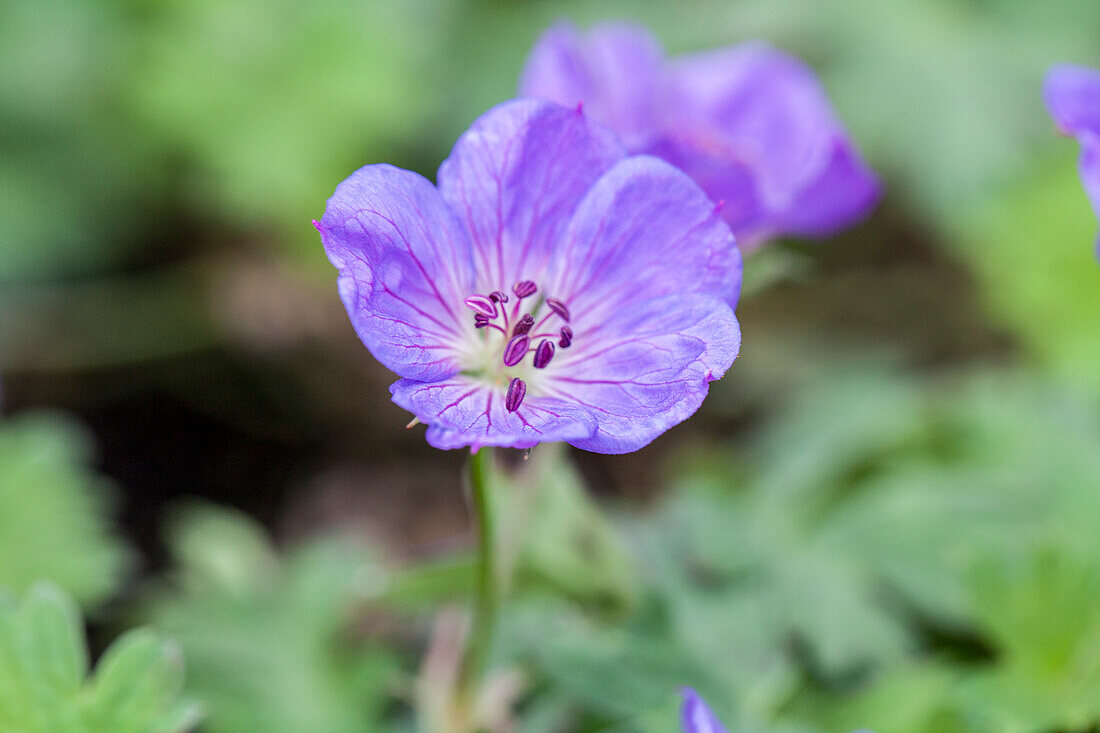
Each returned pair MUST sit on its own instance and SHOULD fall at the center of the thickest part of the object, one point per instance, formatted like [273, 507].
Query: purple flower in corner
[750, 124]
[696, 715]
[551, 288]
[1073, 98]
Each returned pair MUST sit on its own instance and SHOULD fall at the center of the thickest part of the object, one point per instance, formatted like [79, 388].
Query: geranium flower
[696, 716]
[550, 289]
[1073, 98]
[750, 124]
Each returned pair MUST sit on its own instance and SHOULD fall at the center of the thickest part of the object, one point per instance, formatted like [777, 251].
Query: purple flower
[1073, 98]
[696, 715]
[750, 124]
[550, 289]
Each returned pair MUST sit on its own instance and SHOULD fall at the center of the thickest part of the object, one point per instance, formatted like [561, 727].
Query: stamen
[481, 320]
[524, 324]
[524, 288]
[517, 349]
[558, 307]
[517, 390]
[566, 337]
[543, 354]
[481, 304]
[498, 296]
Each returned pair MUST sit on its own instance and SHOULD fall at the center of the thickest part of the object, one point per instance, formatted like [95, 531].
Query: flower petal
[405, 266]
[1073, 97]
[754, 109]
[460, 412]
[1072, 94]
[844, 193]
[644, 231]
[516, 176]
[696, 715]
[612, 69]
[645, 368]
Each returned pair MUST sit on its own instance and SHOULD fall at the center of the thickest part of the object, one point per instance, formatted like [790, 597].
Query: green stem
[480, 639]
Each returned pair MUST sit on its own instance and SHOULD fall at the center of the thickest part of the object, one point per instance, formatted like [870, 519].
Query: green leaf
[54, 510]
[1033, 252]
[268, 638]
[43, 665]
[1043, 611]
[913, 698]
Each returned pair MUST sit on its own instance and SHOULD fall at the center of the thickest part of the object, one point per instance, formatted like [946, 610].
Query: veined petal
[405, 265]
[516, 176]
[1073, 97]
[645, 368]
[753, 108]
[696, 715]
[644, 231]
[612, 69]
[461, 412]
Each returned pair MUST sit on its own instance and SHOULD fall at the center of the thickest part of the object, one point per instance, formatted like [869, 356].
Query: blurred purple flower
[696, 715]
[1073, 97]
[750, 124]
[550, 289]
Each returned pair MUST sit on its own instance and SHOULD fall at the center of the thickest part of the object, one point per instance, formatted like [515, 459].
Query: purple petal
[462, 413]
[645, 368]
[755, 128]
[644, 231]
[515, 177]
[1073, 97]
[1072, 94]
[405, 266]
[696, 715]
[612, 69]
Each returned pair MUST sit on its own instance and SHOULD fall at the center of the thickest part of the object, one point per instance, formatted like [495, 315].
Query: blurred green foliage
[269, 640]
[1025, 248]
[44, 663]
[54, 511]
[892, 552]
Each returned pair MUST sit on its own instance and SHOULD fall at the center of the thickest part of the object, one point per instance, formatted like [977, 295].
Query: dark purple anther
[523, 325]
[524, 288]
[498, 296]
[480, 320]
[516, 350]
[517, 390]
[544, 353]
[558, 307]
[481, 304]
[566, 337]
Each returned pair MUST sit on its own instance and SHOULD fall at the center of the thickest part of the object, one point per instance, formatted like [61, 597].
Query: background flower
[1073, 97]
[752, 125]
[551, 289]
[696, 715]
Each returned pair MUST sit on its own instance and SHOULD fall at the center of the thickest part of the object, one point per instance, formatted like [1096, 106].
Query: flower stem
[480, 639]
